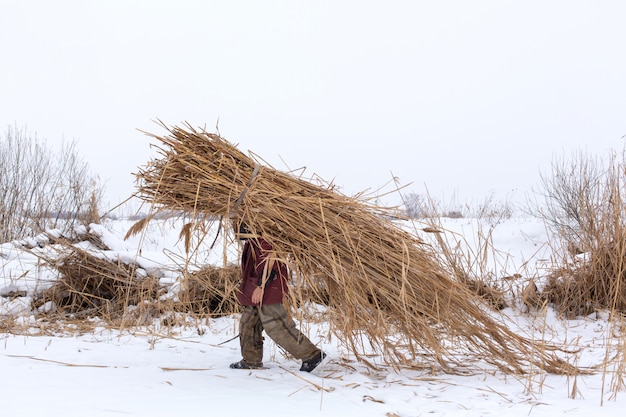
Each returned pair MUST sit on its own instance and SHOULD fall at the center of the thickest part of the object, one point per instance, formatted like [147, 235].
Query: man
[263, 285]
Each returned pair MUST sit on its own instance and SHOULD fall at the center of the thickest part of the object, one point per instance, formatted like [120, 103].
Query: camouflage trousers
[278, 326]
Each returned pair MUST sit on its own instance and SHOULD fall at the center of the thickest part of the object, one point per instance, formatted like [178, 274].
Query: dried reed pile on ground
[597, 284]
[91, 286]
[386, 292]
[211, 291]
[94, 286]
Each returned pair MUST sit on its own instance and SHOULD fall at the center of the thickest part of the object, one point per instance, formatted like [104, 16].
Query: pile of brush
[385, 290]
[597, 284]
[92, 285]
[211, 290]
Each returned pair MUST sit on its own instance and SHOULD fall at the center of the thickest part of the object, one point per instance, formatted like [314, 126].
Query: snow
[183, 370]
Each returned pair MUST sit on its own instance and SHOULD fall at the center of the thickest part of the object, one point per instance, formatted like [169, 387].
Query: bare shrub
[420, 206]
[584, 206]
[41, 188]
[417, 206]
[574, 192]
[492, 208]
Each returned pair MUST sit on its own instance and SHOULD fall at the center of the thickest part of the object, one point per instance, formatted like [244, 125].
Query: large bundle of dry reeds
[384, 288]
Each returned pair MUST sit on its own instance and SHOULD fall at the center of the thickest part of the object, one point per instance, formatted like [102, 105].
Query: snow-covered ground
[155, 371]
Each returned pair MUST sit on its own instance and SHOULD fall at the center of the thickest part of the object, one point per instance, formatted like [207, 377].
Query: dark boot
[245, 365]
[309, 364]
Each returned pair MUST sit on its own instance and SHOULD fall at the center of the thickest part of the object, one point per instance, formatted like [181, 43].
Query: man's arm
[257, 294]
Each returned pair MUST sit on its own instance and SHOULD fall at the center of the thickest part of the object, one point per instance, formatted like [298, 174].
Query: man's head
[242, 232]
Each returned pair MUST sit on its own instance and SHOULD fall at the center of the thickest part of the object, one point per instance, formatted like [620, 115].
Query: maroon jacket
[254, 266]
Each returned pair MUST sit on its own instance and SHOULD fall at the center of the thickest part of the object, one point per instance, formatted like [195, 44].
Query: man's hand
[257, 295]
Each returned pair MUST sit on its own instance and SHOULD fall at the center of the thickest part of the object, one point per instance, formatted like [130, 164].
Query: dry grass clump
[91, 286]
[493, 296]
[211, 291]
[596, 284]
[384, 287]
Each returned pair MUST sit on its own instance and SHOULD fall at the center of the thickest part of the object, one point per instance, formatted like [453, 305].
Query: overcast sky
[463, 97]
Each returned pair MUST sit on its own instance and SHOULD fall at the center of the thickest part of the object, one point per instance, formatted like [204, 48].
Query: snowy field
[184, 371]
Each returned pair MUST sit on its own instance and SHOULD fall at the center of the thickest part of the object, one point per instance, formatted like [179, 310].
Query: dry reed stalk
[618, 379]
[384, 286]
[467, 266]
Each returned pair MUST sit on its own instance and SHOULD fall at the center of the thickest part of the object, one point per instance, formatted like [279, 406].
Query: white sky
[464, 97]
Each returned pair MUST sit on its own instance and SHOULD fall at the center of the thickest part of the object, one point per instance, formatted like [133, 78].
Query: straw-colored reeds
[91, 285]
[386, 292]
[597, 284]
[211, 291]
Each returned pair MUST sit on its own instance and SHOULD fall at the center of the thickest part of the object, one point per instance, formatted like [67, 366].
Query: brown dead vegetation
[91, 285]
[596, 284]
[384, 287]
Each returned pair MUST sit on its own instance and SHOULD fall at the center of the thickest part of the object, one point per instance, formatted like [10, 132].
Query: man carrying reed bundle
[263, 284]
[385, 290]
